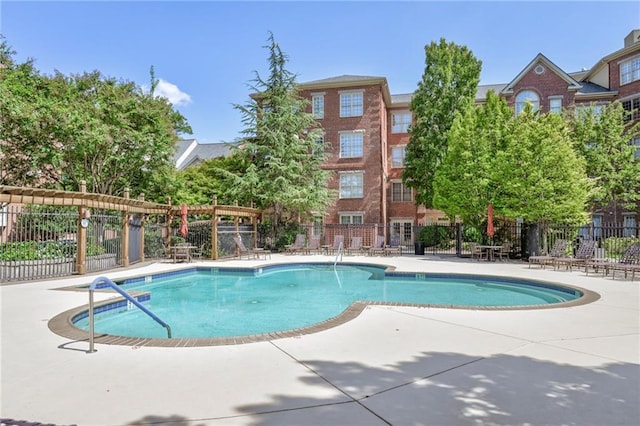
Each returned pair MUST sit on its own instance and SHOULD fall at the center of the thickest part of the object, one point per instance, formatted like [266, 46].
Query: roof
[343, 80]
[541, 59]
[347, 80]
[191, 152]
[483, 89]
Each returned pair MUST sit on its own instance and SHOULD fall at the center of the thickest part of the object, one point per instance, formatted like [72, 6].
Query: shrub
[616, 246]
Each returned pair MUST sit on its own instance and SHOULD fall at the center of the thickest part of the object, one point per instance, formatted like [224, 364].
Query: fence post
[83, 222]
[214, 230]
[124, 241]
[459, 239]
[143, 219]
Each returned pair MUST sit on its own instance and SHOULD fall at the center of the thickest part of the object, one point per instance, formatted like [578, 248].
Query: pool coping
[62, 324]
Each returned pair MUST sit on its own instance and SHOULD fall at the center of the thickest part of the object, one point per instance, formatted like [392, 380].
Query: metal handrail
[127, 296]
[338, 253]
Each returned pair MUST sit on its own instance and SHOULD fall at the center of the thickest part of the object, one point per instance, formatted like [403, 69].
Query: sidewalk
[390, 365]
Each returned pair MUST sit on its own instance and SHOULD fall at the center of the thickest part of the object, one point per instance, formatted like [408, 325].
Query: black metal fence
[455, 239]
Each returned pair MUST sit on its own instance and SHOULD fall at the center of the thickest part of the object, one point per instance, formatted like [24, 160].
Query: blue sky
[206, 52]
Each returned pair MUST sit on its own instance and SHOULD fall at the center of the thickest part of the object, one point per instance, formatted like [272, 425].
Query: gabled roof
[541, 59]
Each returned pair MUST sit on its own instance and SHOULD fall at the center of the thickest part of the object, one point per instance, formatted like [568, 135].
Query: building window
[397, 156]
[318, 147]
[596, 220]
[317, 106]
[400, 122]
[630, 71]
[352, 185]
[632, 106]
[636, 142]
[351, 218]
[351, 144]
[555, 105]
[399, 192]
[351, 104]
[527, 96]
[629, 225]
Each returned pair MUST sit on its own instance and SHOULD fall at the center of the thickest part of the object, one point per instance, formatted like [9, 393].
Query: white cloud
[172, 93]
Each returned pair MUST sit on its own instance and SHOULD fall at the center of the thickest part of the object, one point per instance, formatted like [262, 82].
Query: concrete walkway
[390, 365]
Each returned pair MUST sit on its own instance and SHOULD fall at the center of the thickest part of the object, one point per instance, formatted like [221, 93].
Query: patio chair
[394, 246]
[559, 248]
[338, 241]
[297, 246]
[244, 251]
[378, 246]
[181, 252]
[629, 262]
[477, 252]
[355, 246]
[585, 252]
[504, 251]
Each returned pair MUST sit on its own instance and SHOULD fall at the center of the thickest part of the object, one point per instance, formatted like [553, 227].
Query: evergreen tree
[283, 173]
[449, 84]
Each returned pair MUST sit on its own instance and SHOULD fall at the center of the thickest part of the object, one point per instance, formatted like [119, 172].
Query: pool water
[219, 303]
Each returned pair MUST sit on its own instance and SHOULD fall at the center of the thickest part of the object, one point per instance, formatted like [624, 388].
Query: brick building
[365, 129]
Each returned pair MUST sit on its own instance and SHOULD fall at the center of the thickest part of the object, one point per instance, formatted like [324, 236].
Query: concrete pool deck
[390, 365]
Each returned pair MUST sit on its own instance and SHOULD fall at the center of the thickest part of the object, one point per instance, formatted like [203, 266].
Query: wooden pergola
[85, 201]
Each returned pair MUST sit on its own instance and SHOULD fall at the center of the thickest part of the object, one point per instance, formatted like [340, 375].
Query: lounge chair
[313, 245]
[297, 246]
[250, 253]
[355, 246]
[605, 265]
[629, 262]
[378, 246]
[559, 248]
[394, 246]
[585, 252]
[338, 241]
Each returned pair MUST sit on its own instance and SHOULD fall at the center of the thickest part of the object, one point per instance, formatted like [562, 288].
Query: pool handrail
[338, 253]
[128, 297]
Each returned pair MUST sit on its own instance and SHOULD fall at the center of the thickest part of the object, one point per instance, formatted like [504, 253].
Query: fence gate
[135, 227]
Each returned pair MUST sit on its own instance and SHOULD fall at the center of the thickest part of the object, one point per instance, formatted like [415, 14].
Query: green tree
[201, 182]
[603, 138]
[538, 176]
[449, 84]
[29, 118]
[58, 130]
[464, 185]
[117, 136]
[283, 171]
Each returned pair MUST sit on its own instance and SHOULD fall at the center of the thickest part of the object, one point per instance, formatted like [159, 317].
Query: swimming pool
[284, 299]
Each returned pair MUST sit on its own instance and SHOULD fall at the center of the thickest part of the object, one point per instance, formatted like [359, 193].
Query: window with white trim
[630, 70]
[527, 96]
[400, 121]
[348, 218]
[351, 104]
[351, 144]
[400, 192]
[317, 106]
[397, 156]
[351, 185]
[555, 105]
